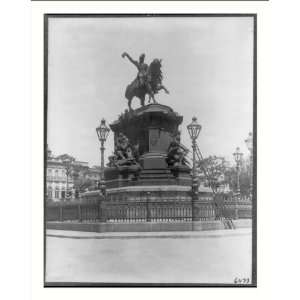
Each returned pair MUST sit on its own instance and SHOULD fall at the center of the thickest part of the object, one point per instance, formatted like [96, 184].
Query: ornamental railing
[148, 211]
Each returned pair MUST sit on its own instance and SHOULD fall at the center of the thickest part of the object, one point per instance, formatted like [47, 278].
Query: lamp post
[249, 144]
[238, 158]
[102, 132]
[67, 162]
[194, 129]
[68, 173]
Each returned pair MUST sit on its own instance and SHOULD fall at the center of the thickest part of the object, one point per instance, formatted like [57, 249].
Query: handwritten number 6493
[241, 280]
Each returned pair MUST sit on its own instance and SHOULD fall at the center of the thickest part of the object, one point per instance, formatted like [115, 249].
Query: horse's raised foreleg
[164, 88]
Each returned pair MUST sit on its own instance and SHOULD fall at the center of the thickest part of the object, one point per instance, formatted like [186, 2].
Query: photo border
[254, 130]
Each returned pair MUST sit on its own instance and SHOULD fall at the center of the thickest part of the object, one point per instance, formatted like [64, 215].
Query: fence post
[79, 213]
[61, 213]
[236, 211]
[148, 216]
[102, 209]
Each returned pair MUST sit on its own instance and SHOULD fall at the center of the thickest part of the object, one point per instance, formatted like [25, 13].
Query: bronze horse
[150, 84]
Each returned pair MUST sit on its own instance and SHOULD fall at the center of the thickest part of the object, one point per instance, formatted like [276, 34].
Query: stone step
[156, 177]
[156, 171]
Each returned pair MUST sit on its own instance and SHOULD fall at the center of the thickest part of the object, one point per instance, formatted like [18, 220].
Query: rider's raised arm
[125, 54]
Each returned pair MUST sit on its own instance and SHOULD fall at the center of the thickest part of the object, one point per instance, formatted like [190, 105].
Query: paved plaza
[162, 257]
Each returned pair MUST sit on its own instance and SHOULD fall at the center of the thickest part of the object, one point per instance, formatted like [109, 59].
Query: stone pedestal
[152, 129]
[154, 189]
[150, 126]
[153, 160]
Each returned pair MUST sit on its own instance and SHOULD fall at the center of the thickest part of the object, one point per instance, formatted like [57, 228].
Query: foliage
[81, 184]
[80, 180]
[66, 158]
[244, 178]
[213, 168]
[220, 173]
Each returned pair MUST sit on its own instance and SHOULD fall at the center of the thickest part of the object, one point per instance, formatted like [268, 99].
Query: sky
[207, 63]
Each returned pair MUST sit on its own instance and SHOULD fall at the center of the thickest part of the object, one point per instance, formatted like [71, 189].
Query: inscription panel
[159, 140]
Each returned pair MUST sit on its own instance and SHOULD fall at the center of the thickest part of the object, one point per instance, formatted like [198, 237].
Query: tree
[213, 168]
[244, 178]
[80, 180]
[220, 173]
[66, 158]
[81, 184]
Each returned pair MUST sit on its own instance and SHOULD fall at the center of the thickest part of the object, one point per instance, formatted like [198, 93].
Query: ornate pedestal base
[155, 183]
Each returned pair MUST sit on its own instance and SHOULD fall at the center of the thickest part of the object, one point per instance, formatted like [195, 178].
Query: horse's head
[156, 63]
[155, 71]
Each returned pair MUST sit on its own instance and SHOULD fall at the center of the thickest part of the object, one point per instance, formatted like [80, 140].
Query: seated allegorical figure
[121, 145]
[125, 153]
[176, 153]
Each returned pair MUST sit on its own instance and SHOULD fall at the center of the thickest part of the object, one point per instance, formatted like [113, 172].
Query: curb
[167, 236]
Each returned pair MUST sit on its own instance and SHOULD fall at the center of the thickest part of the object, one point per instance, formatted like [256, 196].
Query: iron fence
[148, 211]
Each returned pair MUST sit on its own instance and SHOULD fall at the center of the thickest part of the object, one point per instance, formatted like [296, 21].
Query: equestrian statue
[148, 80]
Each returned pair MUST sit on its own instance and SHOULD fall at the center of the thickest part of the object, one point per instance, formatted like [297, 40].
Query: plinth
[151, 128]
[151, 189]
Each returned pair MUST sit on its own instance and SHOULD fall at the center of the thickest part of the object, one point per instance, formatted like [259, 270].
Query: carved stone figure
[121, 146]
[148, 80]
[125, 154]
[176, 153]
[112, 160]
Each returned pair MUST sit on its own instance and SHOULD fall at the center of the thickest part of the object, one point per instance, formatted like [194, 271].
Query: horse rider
[143, 77]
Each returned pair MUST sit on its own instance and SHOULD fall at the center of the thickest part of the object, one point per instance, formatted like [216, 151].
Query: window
[56, 193]
[49, 192]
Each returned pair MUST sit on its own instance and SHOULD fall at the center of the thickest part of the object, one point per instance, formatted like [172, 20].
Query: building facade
[64, 179]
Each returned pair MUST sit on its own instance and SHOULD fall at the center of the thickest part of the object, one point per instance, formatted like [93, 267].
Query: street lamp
[102, 132]
[68, 166]
[249, 144]
[238, 159]
[194, 129]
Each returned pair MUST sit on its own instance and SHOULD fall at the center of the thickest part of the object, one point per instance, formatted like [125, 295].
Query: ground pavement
[218, 256]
